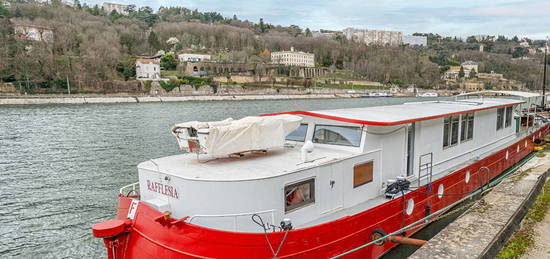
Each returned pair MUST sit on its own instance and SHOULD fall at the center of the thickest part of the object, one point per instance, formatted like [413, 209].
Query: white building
[293, 58]
[415, 40]
[524, 44]
[147, 69]
[27, 31]
[374, 37]
[469, 65]
[119, 8]
[189, 57]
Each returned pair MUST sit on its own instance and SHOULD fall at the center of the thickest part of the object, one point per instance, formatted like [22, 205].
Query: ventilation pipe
[306, 148]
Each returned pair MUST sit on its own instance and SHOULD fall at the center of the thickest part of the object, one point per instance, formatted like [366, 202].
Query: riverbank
[10, 100]
[482, 230]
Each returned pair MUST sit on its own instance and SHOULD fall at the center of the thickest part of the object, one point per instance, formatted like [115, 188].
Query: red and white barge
[315, 184]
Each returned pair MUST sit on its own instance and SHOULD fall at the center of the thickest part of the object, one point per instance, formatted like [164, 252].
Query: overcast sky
[448, 17]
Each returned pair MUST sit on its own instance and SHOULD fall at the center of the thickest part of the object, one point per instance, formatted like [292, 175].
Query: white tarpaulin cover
[221, 138]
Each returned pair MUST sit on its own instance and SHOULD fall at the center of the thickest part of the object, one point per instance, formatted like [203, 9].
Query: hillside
[90, 47]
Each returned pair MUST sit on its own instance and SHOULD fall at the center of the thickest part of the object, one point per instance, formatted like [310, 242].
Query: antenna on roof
[544, 76]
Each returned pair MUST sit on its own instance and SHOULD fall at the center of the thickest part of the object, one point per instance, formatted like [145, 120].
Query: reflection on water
[62, 165]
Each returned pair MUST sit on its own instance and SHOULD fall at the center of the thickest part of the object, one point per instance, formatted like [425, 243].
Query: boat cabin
[333, 163]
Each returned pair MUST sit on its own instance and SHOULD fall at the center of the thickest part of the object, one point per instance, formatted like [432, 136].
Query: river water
[61, 165]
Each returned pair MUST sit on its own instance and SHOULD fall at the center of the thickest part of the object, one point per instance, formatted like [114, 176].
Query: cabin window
[298, 134]
[450, 130]
[362, 174]
[508, 120]
[467, 126]
[300, 194]
[337, 135]
[500, 118]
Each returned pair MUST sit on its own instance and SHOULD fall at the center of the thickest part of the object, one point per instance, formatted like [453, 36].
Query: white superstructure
[355, 153]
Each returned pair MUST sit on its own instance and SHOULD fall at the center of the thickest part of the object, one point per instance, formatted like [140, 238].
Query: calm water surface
[62, 165]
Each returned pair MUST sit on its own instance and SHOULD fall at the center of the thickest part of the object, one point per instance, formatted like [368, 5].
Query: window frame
[305, 135]
[305, 202]
[371, 176]
[508, 114]
[500, 118]
[467, 126]
[448, 123]
[339, 126]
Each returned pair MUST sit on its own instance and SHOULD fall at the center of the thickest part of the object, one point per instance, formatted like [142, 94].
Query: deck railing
[130, 189]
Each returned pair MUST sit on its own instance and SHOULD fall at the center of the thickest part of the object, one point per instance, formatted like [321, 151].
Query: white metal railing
[235, 215]
[132, 188]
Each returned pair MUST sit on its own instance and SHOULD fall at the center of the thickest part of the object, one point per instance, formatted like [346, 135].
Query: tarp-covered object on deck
[221, 138]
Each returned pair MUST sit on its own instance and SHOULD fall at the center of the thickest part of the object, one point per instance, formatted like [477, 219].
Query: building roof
[509, 93]
[453, 69]
[148, 61]
[409, 112]
[469, 62]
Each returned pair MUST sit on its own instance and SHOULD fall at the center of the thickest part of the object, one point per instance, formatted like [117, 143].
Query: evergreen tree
[308, 33]
[169, 61]
[461, 72]
[472, 73]
[262, 26]
[3, 11]
[153, 41]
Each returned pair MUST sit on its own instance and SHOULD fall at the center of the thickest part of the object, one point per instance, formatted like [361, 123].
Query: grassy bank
[523, 238]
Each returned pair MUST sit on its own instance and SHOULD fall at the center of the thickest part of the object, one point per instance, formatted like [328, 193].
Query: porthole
[506, 154]
[440, 191]
[410, 206]
[467, 177]
[517, 149]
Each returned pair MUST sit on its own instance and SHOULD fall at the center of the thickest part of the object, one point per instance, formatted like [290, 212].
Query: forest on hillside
[91, 46]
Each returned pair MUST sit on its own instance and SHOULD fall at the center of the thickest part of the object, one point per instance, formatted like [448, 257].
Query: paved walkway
[483, 229]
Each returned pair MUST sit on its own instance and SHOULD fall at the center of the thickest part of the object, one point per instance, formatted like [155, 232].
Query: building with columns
[293, 58]
[119, 8]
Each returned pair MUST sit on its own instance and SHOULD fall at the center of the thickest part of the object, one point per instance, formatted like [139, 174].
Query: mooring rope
[490, 184]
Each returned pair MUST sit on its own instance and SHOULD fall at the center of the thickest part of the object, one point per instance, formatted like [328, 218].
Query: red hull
[149, 236]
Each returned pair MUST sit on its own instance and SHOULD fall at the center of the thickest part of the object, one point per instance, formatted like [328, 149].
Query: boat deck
[252, 166]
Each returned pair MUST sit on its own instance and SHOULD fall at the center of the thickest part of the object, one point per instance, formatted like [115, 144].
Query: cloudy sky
[448, 17]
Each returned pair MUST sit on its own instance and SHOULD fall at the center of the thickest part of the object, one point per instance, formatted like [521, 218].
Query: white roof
[511, 93]
[409, 112]
[250, 167]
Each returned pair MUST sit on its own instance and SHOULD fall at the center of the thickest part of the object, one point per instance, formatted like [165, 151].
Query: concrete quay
[146, 99]
[484, 228]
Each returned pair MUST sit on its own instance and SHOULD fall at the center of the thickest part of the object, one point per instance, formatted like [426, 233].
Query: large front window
[337, 135]
[298, 134]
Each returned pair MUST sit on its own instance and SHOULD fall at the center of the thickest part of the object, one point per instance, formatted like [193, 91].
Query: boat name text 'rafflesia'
[162, 189]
